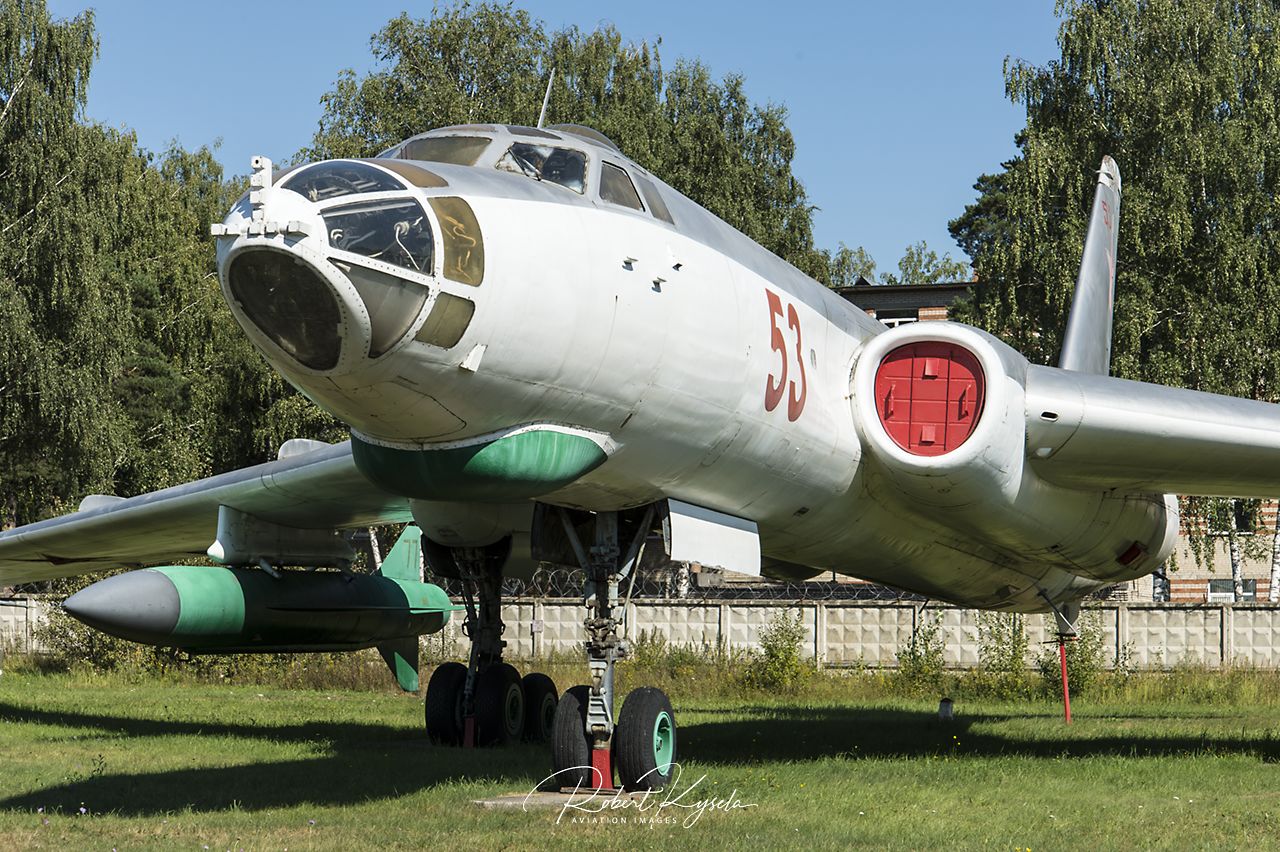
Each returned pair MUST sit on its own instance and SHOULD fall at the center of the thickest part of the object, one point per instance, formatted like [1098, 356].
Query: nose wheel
[586, 741]
[643, 745]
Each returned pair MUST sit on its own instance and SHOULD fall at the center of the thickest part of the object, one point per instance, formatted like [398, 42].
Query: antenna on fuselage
[546, 99]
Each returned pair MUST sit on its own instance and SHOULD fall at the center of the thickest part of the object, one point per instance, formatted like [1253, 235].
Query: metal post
[1066, 687]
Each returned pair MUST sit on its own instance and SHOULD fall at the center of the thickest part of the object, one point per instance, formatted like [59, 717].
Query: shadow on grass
[369, 761]
[374, 761]
[796, 733]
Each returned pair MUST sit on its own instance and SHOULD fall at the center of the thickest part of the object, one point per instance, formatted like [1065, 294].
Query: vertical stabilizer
[1086, 348]
[404, 562]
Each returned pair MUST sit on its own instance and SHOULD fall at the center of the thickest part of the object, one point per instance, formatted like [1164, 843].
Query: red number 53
[777, 386]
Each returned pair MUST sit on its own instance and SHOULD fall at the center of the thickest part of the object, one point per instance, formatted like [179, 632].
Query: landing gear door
[711, 538]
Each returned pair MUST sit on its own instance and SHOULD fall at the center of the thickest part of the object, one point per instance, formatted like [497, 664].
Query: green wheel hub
[515, 708]
[664, 741]
[644, 746]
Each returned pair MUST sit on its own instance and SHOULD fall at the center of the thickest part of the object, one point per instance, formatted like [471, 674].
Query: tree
[59, 338]
[1185, 94]
[121, 368]
[847, 265]
[490, 62]
[921, 265]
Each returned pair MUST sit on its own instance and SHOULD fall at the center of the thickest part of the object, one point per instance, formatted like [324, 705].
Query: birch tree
[1185, 94]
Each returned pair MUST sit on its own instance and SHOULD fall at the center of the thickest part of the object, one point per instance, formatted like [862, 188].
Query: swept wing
[317, 489]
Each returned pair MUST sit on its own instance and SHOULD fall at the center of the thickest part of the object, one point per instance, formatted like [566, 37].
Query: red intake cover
[929, 396]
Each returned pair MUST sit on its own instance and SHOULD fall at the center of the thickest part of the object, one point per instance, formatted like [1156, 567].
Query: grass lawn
[165, 765]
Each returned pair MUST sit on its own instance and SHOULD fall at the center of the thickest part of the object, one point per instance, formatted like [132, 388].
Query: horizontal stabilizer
[1086, 348]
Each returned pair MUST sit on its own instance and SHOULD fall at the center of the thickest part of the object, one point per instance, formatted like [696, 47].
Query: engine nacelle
[942, 413]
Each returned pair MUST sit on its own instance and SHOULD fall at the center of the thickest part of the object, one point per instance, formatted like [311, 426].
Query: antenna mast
[546, 98]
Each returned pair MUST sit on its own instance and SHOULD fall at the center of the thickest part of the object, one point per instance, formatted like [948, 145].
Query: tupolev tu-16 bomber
[539, 348]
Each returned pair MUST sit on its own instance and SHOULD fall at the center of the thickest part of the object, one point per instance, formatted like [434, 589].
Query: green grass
[158, 764]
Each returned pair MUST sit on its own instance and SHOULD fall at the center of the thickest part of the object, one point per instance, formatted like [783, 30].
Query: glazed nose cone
[142, 606]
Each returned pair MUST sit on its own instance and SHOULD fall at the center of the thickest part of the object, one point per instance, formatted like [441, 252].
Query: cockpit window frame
[652, 197]
[391, 182]
[533, 171]
[622, 170]
[483, 154]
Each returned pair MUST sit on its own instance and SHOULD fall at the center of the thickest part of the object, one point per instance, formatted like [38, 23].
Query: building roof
[869, 296]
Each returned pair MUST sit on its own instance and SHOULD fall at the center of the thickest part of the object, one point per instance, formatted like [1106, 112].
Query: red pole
[1066, 688]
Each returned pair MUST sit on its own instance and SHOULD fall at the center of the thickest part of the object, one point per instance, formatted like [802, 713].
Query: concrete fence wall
[846, 633]
[18, 618]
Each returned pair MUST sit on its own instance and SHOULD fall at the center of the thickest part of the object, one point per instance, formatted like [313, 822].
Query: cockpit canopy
[560, 155]
[566, 167]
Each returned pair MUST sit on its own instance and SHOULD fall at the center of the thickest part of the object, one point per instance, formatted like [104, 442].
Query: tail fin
[401, 656]
[1087, 345]
[404, 562]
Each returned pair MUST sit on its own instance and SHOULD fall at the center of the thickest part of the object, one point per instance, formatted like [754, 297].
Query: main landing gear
[485, 702]
[586, 740]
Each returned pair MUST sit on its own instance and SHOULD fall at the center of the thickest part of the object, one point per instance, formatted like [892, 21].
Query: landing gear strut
[586, 739]
[485, 702]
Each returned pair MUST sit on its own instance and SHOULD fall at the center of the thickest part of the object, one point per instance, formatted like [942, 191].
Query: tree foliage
[921, 265]
[847, 265]
[121, 369]
[1183, 93]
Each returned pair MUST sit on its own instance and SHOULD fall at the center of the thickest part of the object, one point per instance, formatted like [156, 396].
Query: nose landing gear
[586, 741]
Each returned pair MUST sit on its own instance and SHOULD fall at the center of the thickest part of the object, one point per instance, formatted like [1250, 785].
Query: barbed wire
[676, 581]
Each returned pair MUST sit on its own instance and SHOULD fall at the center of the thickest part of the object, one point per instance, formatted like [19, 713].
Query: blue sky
[896, 107]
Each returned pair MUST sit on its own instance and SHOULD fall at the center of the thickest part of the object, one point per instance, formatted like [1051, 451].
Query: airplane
[545, 354]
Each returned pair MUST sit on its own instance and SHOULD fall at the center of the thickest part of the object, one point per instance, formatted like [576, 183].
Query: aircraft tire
[540, 702]
[570, 747]
[644, 741]
[499, 706]
[444, 703]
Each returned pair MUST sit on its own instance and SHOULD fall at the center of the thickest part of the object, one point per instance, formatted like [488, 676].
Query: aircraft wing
[314, 489]
[1091, 431]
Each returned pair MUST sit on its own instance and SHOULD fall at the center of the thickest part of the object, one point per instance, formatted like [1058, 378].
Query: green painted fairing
[247, 610]
[211, 600]
[426, 597]
[516, 467]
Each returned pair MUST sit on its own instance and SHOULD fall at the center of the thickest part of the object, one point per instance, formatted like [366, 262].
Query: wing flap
[318, 489]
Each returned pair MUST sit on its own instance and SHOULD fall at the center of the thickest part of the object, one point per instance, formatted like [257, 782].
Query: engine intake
[941, 409]
[929, 396]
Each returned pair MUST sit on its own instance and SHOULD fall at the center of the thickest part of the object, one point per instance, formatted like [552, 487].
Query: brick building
[894, 304]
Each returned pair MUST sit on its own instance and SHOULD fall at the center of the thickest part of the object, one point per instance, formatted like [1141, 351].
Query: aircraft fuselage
[611, 359]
